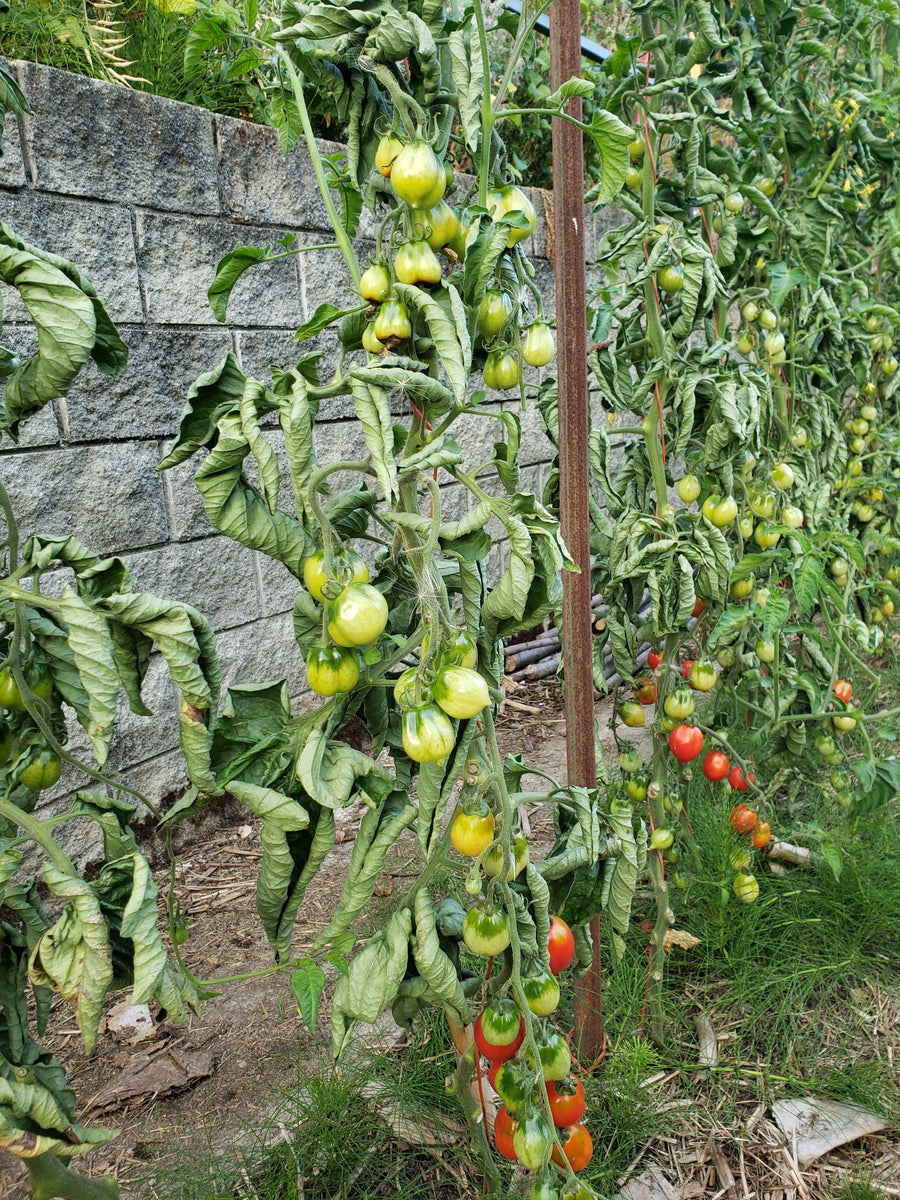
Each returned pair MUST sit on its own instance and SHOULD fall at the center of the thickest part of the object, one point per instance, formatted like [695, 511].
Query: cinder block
[215, 575]
[95, 139]
[265, 295]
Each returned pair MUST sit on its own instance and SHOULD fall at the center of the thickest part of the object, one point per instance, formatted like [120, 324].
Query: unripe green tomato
[634, 178]
[357, 616]
[745, 343]
[370, 342]
[689, 488]
[838, 566]
[670, 278]
[461, 692]
[332, 670]
[869, 412]
[889, 366]
[854, 468]
[438, 226]
[493, 313]
[346, 567]
[766, 536]
[630, 761]
[427, 735]
[417, 175]
[538, 348]
[761, 503]
[636, 149]
[768, 318]
[43, 771]
[719, 510]
[493, 860]
[388, 149]
[872, 323]
[392, 323]
[375, 284]
[767, 185]
[761, 597]
[865, 513]
[782, 475]
[725, 658]
[747, 463]
[799, 437]
[416, 263]
[734, 202]
[792, 516]
[858, 426]
[740, 588]
[774, 343]
[750, 311]
[501, 371]
[746, 888]
[746, 527]
[856, 445]
[765, 651]
[661, 839]
[512, 199]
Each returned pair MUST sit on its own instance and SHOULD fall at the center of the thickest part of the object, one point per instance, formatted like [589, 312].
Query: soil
[245, 1046]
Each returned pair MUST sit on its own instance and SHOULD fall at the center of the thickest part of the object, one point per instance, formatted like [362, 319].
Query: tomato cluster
[25, 755]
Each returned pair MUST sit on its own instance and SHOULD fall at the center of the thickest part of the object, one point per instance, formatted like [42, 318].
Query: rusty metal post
[571, 304]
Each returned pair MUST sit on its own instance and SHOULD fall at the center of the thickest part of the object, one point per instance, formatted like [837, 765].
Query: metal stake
[571, 304]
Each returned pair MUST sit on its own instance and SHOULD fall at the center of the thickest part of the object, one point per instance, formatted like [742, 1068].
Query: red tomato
[504, 1128]
[577, 1147]
[498, 1053]
[566, 1101]
[737, 780]
[743, 819]
[654, 658]
[715, 765]
[561, 945]
[686, 742]
[762, 835]
[843, 689]
[686, 667]
[645, 690]
[699, 607]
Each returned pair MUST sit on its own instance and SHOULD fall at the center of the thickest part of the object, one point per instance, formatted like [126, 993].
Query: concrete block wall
[146, 195]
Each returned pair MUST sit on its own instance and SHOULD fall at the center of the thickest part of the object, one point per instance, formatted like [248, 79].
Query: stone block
[177, 259]
[109, 496]
[96, 139]
[278, 587]
[187, 516]
[147, 399]
[215, 575]
[324, 278]
[261, 653]
[137, 738]
[97, 238]
[535, 446]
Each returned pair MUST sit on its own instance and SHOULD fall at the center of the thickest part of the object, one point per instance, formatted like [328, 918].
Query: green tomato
[765, 651]
[774, 343]
[768, 318]
[332, 670]
[512, 199]
[439, 226]
[43, 770]
[392, 324]
[703, 675]
[679, 704]
[486, 930]
[417, 175]
[555, 1056]
[427, 734]
[37, 679]
[501, 371]
[461, 651]
[741, 588]
[783, 476]
[541, 990]
[404, 689]
[661, 839]
[461, 692]
[493, 860]
[745, 343]
[636, 149]
[388, 149]
[633, 179]
[767, 185]
[538, 348]
[869, 412]
[637, 786]
[532, 1140]
[415, 263]
[745, 525]
[720, 510]
[375, 284]
[766, 536]
[746, 888]
[631, 761]
[761, 503]
[734, 203]
[370, 342]
[346, 567]
[750, 311]
[799, 437]
[494, 311]
[792, 516]
[357, 616]
[688, 488]
[670, 278]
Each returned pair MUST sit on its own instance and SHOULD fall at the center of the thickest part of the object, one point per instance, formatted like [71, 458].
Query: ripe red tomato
[743, 819]
[686, 667]
[699, 607]
[737, 780]
[504, 1128]
[686, 742]
[645, 690]
[577, 1147]
[843, 689]
[654, 658]
[561, 945]
[566, 1101]
[715, 765]
[762, 835]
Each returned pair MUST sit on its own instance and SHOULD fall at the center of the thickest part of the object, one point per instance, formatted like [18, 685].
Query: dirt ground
[242, 1050]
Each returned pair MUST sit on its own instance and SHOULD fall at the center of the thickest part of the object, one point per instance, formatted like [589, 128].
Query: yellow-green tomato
[438, 225]
[370, 342]
[501, 371]
[746, 888]
[388, 149]
[493, 860]
[750, 311]
[416, 263]
[633, 179]
[768, 318]
[765, 651]
[761, 503]
[417, 175]
[512, 199]
[774, 343]
[689, 488]
[636, 150]
[720, 510]
[539, 347]
[346, 567]
[493, 313]
[740, 588]
[670, 278]
[427, 734]
[472, 833]
[461, 692]
[392, 323]
[746, 526]
[799, 437]
[357, 616]
[404, 689]
[460, 651]
[43, 771]
[332, 670]
[374, 284]
[766, 536]
[745, 343]
[767, 185]
[783, 476]
[734, 203]
[792, 516]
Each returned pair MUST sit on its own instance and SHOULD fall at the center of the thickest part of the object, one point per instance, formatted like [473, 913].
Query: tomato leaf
[373, 980]
[325, 315]
[443, 331]
[611, 137]
[229, 271]
[374, 412]
[308, 983]
[468, 75]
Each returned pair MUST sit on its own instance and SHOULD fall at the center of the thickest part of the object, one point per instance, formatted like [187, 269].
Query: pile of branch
[540, 656]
